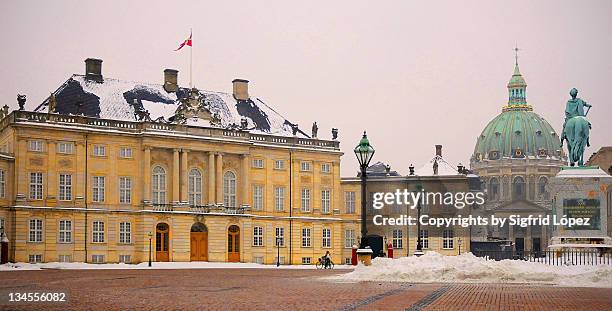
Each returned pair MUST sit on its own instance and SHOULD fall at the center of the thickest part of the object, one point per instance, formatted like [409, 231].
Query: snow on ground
[156, 265]
[467, 268]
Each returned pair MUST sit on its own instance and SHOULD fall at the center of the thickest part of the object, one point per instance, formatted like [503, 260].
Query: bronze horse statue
[576, 128]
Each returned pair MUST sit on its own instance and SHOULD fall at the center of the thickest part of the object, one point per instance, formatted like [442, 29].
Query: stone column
[22, 181]
[176, 180]
[184, 176]
[146, 176]
[79, 178]
[211, 178]
[528, 239]
[511, 235]
[219, 178]
[52, 186]
[544, 238]
[244, 180]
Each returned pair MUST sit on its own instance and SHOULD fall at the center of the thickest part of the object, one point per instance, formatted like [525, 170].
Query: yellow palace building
[103, 166]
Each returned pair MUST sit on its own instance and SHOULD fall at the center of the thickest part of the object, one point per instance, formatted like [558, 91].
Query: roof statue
[334, 133]
[21, 100]
[315, 129]
[576, 128]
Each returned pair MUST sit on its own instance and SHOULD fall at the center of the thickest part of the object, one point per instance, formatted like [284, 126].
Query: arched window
[195, 187]
[542, 188]
[158, 183]
[229, 189]
[494, 189]
[518, 188]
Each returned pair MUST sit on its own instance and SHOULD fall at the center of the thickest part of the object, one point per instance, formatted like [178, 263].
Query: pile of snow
[467, 268]
[156, 265]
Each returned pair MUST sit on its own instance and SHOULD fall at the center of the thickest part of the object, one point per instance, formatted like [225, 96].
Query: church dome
[517, 132]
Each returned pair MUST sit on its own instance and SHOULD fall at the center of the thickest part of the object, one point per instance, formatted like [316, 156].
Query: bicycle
[321, 264]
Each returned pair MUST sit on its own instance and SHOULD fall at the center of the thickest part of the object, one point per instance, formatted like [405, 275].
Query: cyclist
[327, 260]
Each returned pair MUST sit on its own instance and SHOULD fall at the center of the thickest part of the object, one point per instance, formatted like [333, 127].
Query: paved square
[269, 289]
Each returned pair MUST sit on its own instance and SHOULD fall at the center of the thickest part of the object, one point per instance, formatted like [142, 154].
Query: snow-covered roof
[443, 168]
[124, 100]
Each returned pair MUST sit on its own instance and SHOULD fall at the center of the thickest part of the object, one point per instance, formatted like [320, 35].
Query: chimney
[439, 150]
[170, 80]
[241, 89]
[93, 69]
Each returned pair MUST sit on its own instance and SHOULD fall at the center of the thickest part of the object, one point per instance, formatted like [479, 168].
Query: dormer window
[542, 153]
[539, 132]
[493, 155]
[517, 132]
[497, 134]
[518, 153]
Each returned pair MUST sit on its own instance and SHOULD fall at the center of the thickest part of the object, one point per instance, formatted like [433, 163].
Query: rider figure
[573, 108]
[327, 260]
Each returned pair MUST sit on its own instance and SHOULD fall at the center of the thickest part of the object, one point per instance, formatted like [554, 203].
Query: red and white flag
[186, 42]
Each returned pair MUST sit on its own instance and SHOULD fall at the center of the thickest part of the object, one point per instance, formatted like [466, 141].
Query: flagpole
[191, 58]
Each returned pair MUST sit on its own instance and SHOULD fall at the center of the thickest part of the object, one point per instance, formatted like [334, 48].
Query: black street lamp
[278, 239]
[419, 247]
[4, 241]
[364, 152]
[150, 248]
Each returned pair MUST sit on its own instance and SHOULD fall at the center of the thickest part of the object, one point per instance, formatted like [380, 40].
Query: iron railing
[552, 257]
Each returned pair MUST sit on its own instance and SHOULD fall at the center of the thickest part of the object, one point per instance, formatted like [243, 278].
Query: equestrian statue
[576, 128]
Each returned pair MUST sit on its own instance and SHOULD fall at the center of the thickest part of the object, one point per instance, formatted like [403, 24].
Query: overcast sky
[413, 74]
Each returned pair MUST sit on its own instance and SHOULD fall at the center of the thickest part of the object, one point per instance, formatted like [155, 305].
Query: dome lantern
[517, 89]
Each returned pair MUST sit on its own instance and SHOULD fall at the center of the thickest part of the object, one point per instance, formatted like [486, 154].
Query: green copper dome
[517, 132]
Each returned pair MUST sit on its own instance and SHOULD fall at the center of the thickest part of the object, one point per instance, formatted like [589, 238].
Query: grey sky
[413, 74]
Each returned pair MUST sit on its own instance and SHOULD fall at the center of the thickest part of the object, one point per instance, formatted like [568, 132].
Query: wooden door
[199, 246]
[162, 242]
[233, 244]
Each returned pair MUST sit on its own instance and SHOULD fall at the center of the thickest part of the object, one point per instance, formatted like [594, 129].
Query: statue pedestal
[364, 255]
[579, 193]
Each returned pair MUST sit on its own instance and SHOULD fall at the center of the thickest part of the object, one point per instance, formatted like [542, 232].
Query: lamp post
[150, 247]
[419, 246]
[278, 251]
[4, 241]
[364, 152]
[459, 241]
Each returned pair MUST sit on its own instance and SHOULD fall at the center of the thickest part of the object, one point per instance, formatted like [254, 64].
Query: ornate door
[233, 244]
[162, 242]
[199, 242]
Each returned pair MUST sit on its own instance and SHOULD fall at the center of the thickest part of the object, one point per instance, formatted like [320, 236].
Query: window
[306, 260]
[349, 202]
[305, 237]
[2, 228]
[280, 237]
[518, 188]
[99, 150]
[280, 261]
[279, 198]
[348, 261]
[64, 258]
[258, 197]
[125, 152]
[65, 231]
[305, 166]
[326, 234]
[494, 189]
[36, 231]
[125, 258]
[125, 190]
[195, 187]
[98, 189]
[97, 258]
[349, 238]
[257, 236]
[65, 147]
[125, 232]
[397, 238]
[542, 188]
[305, 200]
[35, 145]
[447, 239]
[35, 258]
[279, 165]
[424, 238]
[158, 182]
[65, 187]
[229, 189]
[36, 186]
[325, 201]
[2, 184]
[325, 168]
[258, 259]
[98, 232]
[258, 163]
